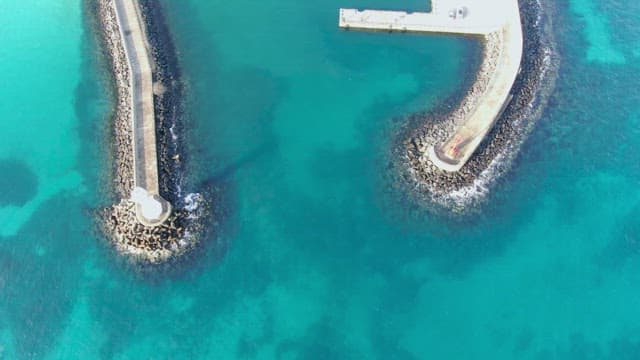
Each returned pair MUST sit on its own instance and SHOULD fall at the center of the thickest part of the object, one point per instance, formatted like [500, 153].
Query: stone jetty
[447, 158]
[153, 221]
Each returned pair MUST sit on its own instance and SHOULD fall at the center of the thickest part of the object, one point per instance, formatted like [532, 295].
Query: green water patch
[622, 18]
[578, 346]
[576, 119]
[18, 183]
[39, 130]
[7, 350]
[293, 114]
[82, 337]
[41, 274]
[624, 247]
[596, 29]
[317, 269]
[14, 217]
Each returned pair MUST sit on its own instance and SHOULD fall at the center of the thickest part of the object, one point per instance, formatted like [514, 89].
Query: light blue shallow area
[315, 257]
[40, 70]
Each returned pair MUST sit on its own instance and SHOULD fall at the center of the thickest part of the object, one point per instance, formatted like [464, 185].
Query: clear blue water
[312, 260]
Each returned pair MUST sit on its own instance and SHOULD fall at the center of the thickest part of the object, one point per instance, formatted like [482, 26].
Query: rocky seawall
[183, 231]
[463, 191]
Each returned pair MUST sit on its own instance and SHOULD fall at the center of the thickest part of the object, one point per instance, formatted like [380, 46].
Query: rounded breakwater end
[174, 237]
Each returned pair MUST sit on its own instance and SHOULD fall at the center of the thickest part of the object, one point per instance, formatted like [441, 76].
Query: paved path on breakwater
[477, 18]
[151, 208]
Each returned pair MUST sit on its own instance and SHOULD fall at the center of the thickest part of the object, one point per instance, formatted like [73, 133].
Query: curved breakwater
[464, 190]
[184, 229]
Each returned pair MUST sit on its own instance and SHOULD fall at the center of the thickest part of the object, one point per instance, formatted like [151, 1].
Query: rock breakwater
[184, 229]
[464, 190]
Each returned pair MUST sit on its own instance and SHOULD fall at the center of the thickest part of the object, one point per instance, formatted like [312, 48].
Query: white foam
[481, 184]
[192, 201]
[174, 137]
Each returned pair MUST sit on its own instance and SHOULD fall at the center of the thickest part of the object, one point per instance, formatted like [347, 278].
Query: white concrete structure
[466, 17]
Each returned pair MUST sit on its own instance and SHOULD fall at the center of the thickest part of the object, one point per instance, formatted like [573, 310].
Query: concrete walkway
[465, 17]
[414, 22]
[151, 208]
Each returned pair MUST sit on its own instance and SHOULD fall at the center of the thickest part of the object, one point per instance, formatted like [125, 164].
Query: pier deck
[464, 17]
[151, 208]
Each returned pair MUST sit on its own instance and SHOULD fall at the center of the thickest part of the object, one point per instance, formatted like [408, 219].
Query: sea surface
[314, 257]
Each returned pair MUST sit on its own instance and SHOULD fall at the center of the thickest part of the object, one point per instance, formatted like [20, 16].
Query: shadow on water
[231, 169]
[217, 189]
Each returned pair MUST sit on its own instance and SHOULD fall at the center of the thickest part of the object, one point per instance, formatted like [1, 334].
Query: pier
[150, 208]
[468, 18]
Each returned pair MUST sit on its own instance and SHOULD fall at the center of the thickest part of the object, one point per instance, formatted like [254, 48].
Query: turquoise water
[315, 259]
